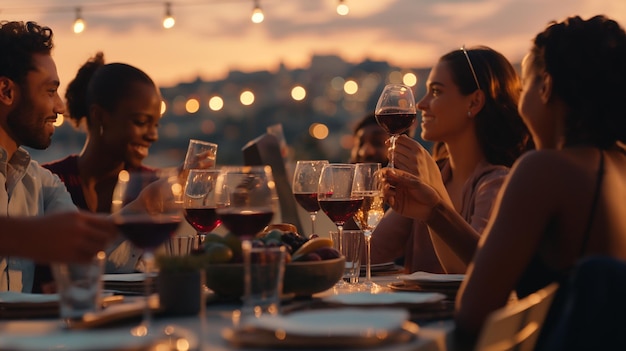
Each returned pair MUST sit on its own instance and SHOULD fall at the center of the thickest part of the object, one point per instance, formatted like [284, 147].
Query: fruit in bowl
[312, 265]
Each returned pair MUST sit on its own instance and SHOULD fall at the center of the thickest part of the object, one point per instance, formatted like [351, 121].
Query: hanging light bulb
[79, 23]
[168, 20]
[257, 13]
[342, 8]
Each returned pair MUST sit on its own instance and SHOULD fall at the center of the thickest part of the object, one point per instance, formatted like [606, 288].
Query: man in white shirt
[29, 104]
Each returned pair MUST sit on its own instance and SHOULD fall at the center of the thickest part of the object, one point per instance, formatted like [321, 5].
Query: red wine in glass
[308, 201]
[146, 233]
[395, 112]
[395, 122]
[202, 219]
[340, 210]
[245, 223]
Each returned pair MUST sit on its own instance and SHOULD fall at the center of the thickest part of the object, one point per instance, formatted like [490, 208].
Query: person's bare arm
[61, 237]
[411, 197]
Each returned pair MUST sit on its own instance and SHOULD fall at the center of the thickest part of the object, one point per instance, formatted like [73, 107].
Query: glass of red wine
[334, 194]
[199, 202]
[306, 178]
[247, 198]
[147, 210]
[395, 112]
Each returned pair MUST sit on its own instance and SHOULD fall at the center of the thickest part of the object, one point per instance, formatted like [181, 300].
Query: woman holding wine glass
[305, 181]
[471, 107]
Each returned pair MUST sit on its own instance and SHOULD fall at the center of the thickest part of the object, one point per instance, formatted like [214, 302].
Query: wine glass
[247, 198]
[199, 202]
[306, 178]
[368, 185]
[334, 194]
[395, 112]
[147, 210]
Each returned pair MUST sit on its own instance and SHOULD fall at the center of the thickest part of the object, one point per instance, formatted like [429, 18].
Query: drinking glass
[368, 185]
[395, 112]
[199, 202]
[306, 178]
[247, 198]
[147, 210]
[334, 194]
[200, 155]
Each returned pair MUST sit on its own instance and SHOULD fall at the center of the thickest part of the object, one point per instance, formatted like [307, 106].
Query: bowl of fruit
[312, 266]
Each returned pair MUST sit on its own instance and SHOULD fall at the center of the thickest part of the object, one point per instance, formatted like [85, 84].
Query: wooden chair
[517, 325]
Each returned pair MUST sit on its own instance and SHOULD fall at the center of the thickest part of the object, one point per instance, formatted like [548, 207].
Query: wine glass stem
[368, 247]
[148, 258]
[340, 238]
[393, 149]
[200, 239]
[313, 215]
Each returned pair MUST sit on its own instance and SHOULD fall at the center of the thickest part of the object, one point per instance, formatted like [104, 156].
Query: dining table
[209, 329]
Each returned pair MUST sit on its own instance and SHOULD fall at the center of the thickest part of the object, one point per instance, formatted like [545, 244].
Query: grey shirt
[29, 190]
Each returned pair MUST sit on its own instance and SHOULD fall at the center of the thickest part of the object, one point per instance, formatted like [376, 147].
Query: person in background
[29, 104]
[560, 203]
[369, 142]
[470, 110]
[120, 107]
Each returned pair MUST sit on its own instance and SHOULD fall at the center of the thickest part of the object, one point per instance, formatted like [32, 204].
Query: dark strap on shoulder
[594, 204]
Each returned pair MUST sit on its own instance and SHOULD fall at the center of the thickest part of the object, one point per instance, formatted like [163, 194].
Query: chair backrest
[517, 325]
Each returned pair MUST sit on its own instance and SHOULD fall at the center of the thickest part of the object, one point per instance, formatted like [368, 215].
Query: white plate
[19, 297]
[333, 323]
[425, 277]
[399, 298]
[89, 340]
[124, 277]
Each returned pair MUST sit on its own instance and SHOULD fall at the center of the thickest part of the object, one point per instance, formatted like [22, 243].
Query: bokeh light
[318, 131]
[246, 98]
[298, 93]
[192, 105]
[216, 103]
[350, 87]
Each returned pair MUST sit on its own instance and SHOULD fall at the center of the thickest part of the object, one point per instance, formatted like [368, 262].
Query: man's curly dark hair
[18, 42]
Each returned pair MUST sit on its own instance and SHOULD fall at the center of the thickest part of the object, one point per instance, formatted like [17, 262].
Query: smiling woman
[120, 106]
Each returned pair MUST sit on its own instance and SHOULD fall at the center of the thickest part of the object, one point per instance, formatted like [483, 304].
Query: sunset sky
[212, 37]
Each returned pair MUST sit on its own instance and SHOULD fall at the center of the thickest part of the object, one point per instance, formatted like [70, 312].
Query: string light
[79, 23]
[168, 20]
[257, 13]
[342, 8]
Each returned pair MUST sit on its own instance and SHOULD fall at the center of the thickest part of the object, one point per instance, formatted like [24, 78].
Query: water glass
[264, 269]
[181, 245]
[80, 287]
[351, 247]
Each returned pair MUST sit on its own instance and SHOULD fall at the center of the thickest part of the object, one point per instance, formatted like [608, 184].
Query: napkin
[425, 277]
[368, 299]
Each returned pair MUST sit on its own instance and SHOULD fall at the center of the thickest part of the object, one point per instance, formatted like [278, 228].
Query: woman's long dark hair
[500, 131]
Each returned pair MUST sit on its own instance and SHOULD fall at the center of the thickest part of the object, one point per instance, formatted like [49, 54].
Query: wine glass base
[371, 287]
